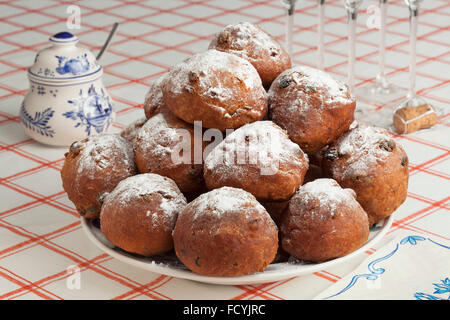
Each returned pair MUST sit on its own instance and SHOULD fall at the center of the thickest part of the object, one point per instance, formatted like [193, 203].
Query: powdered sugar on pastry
[157, 138]
[225, 200]
[155, 90]
[245, 33]
[154, 98]
[262, 144]
[99, 151]
[327, 192]
[363, 147]
[313, 80]
[143, 185]
[206, 68]
[130, 132]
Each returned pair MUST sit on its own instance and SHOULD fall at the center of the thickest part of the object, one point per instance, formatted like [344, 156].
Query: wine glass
[290, 9]
[412, 99]
[380, 91]
[320, 33]
[351, 6]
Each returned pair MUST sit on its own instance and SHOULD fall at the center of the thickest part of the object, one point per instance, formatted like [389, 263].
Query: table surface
[40, 232]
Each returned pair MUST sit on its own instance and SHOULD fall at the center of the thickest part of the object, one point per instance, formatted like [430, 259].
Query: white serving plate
[169, 265]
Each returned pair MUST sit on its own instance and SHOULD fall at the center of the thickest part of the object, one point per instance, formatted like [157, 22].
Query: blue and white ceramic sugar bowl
[67, 100]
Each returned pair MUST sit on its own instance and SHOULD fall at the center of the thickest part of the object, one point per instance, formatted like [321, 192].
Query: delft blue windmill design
[92, 110]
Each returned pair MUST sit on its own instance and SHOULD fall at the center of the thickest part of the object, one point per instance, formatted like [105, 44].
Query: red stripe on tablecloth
[25, 284]
[144, 287]
[411, 216]
[90, 264]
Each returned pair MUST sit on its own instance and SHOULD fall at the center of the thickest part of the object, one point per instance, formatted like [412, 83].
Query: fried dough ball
[311, 106]
[217, 88]
[323, 222]
[256, 46]
[167, 146]
[93, 167]
[139, 215]
[225, 232]
[154, 102]
[130, 131]
[369, 161]
[259, 158]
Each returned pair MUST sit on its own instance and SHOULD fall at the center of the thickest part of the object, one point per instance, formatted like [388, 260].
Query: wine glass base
[375, 93]
[414, 101]
[384, 116]
[379, 117]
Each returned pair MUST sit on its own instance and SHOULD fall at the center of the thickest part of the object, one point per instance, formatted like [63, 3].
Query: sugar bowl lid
[64, 60]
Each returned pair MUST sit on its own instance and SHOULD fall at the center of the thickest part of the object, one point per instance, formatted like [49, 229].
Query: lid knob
[63, 37]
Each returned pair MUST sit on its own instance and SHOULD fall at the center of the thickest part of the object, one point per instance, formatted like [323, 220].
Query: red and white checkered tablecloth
[40, 232]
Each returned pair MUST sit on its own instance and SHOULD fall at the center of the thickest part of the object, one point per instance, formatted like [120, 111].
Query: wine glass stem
[320, 44]
[351, 47]
[289, 25]
[413, 15]
[381, 77]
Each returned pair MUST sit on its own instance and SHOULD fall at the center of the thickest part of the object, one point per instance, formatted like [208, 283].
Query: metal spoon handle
[105, 46]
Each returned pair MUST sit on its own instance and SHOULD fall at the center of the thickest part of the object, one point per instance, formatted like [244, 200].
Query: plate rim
[256, 278]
